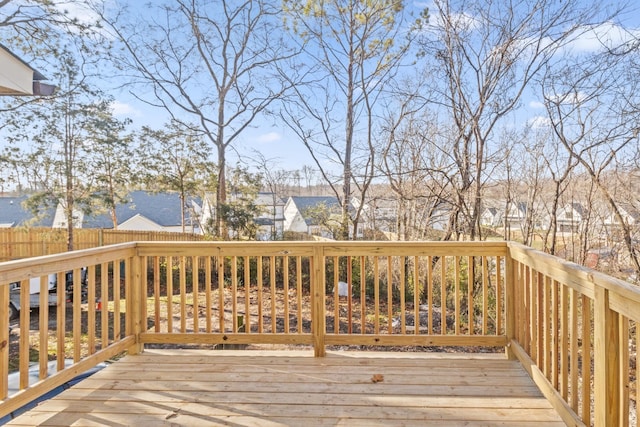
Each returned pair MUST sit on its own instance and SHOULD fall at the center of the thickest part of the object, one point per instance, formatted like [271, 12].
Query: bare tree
[482, 56]
[593, 106]
[352, 49]
[174, 159]
[218, 63]
[417, 168]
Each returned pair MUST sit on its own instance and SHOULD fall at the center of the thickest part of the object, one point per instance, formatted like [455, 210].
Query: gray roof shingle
[161, 208]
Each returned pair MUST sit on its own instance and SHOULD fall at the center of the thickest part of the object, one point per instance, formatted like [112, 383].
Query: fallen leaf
[377, 378]
[172, 415]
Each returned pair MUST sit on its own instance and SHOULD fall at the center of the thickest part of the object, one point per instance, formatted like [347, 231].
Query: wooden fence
[17, 243]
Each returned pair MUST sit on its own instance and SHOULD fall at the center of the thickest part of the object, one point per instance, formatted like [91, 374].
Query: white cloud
[569, 98]
[122, 109]
[76, 10]
[539, 122]
[269, 137]
[608, 34]
[536, 104]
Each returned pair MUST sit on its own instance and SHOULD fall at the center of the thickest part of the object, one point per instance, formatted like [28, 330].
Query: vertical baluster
[299, 293]
[259, 278]
[363, 296]
[389, 295]
[104, 312]
[470, 299]
[183, 295]
[403, 304]
[156, 294]
[234, 294]
[169, 274]
[349, 296]
[573, 348]
[429, 286]
[586, 360]
[207, 293]
[456, 283]
[499, 288]
[272, 277]
[485, 296]
[247, 294]
[336, 296]
[443, 295]
[285, 291]
[416, 294]
[376, 295]
[91, 310]
[221, 296]
[564, 342]
[195, 265]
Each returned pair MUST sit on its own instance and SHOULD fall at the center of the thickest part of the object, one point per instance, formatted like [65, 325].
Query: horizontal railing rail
[572, 328]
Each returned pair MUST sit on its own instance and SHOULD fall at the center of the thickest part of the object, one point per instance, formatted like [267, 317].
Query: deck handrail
[571, 327]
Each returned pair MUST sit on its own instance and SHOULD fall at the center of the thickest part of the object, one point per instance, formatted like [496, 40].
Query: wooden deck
[292, 388]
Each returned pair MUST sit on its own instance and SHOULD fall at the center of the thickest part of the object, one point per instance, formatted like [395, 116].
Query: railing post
[318, 320]
[510, 303]
[4, 342]
[135, 300]
[606, 361]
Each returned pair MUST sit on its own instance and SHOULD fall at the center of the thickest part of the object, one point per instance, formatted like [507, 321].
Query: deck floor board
[267, 388]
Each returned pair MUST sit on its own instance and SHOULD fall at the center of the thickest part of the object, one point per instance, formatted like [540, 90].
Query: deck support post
[318, 320]
[510, 304]
[134, 308]
[606, 361]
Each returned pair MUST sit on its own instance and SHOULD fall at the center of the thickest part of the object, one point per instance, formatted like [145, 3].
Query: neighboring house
[630, 216]
[147, 211]
[379, 214]
[491, 217]
[18, 78]
[270, 221]
[299, 214]
[440, 216]
[60, 218]
[569, 218]
[516, 215]
[14, 214]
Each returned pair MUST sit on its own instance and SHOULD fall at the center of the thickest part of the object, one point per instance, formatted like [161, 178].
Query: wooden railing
[572, 328]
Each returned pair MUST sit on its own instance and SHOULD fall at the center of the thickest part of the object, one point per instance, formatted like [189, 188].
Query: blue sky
[276, 142]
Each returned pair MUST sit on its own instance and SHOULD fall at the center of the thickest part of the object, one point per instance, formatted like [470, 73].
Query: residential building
[147, 211]
[13, 213]
[569, 217]
[19, 78]
[313, 215]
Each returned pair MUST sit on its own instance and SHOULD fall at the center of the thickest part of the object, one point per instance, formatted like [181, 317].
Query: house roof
[161, 208]
[14, 214]
[578, 208]
[267, 199]
[19, 78]
[630, 210]
[308, 202]
[303, 204]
